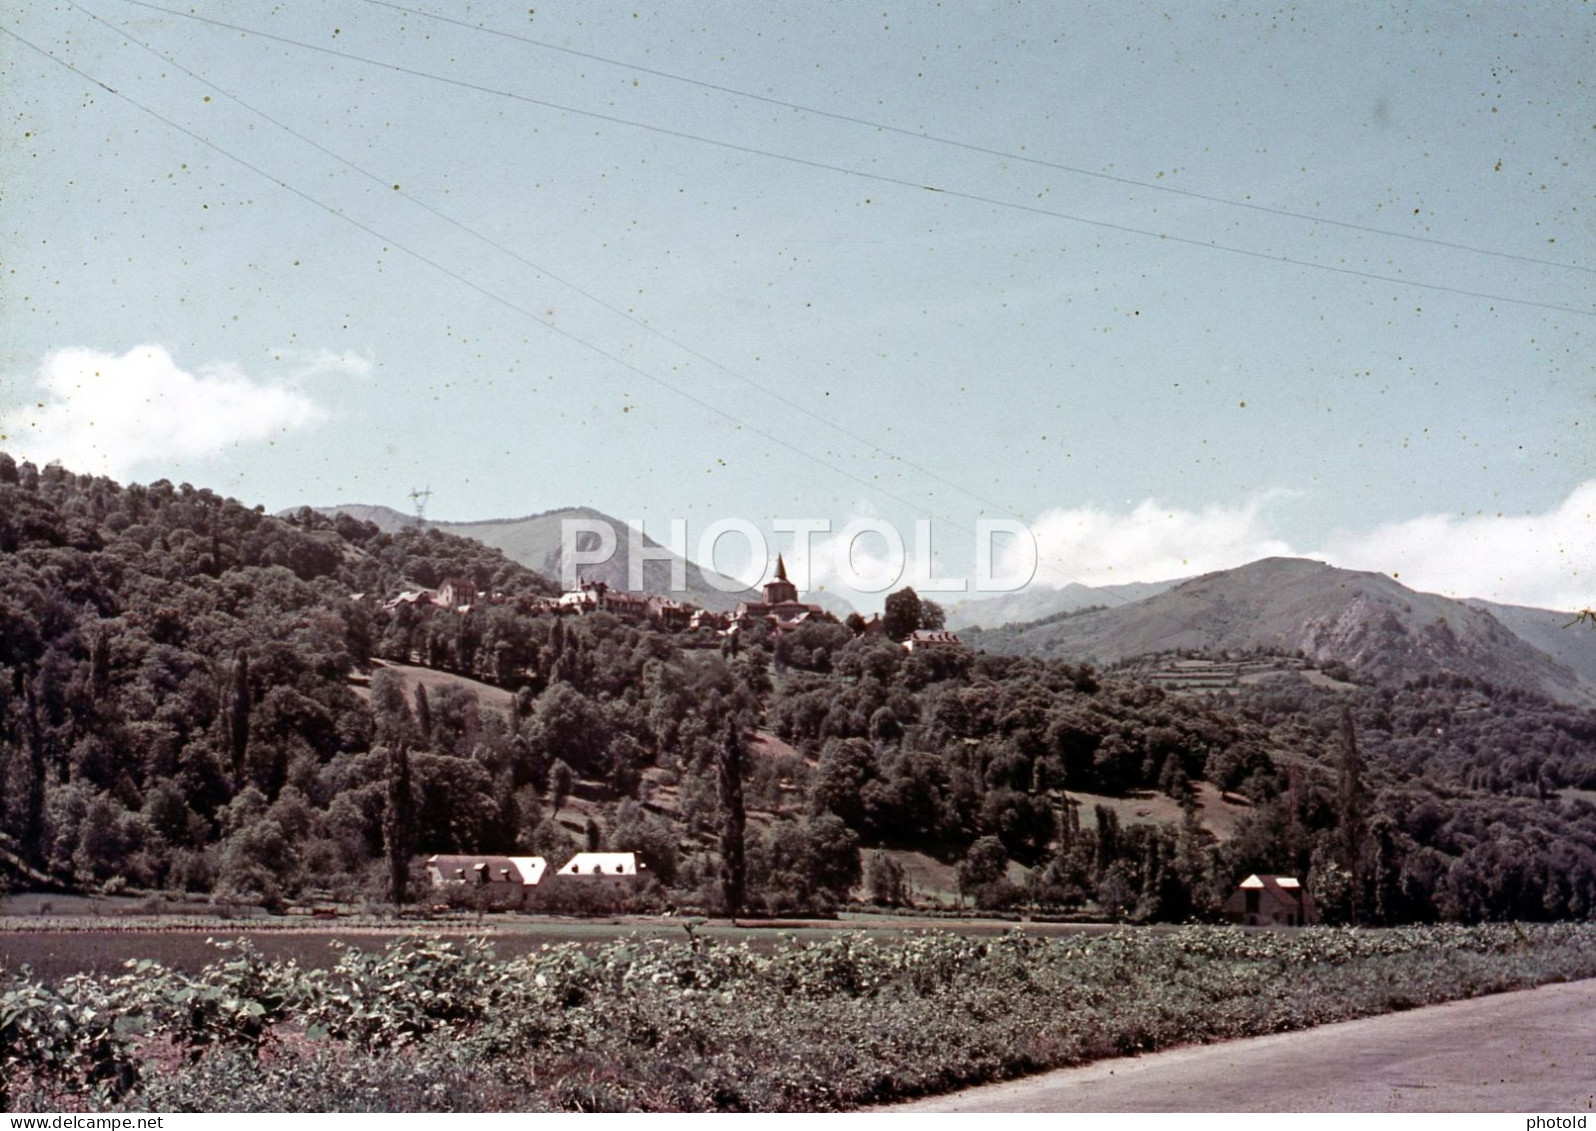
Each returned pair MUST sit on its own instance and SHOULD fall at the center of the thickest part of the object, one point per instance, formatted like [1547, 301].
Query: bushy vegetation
[696, 1026]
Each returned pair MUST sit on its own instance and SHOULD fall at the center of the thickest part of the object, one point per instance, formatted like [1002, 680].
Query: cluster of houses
[453, 594]
[597, 597]
[517, 883]
[778, 604]
[778, 607]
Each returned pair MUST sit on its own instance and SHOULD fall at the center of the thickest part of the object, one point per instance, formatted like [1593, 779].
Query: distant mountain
[1366, 620]
[536, 542]
[385, 519]
[1036, 603]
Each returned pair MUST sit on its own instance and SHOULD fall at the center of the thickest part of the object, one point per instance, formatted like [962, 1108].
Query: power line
[376, 179]
[880, 178]
[479, 288]
[971, 147]
[458, 225]
[482, 290]
[873, 487]
[547, 273]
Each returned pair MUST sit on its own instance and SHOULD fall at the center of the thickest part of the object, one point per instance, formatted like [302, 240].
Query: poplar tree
[1349, 805]
[423, 715]
[733, 862]
[399, 822]
[238, 716]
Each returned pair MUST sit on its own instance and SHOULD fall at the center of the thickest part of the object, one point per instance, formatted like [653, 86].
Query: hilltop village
[200, 701]
[778, 610]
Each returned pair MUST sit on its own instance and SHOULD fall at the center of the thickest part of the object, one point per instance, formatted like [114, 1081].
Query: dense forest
[193, 698]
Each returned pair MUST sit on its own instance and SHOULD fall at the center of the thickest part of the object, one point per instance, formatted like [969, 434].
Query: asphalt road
[1531, 1051]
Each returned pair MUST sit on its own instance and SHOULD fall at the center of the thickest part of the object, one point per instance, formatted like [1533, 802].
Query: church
[778, 604]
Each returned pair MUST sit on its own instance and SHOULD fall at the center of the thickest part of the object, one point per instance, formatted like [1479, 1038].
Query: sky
[1174, 288]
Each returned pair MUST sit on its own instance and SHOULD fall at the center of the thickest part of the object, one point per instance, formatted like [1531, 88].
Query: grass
[489, 696]
[1217, 813]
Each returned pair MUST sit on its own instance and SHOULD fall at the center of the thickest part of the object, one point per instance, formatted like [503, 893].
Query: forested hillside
[192, 698]
[176, 704]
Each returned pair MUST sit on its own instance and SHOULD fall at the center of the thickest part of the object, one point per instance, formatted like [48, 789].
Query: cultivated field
[829, 1020]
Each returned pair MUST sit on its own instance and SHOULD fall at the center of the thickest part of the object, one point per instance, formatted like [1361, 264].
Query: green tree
[838, 785]
[567, 724]
[423, 715]
[257, 864]
[238, 715]
[390, 712]
[984, 866]
[733, 819]
[886, 881]
[1021, 821]
[102, 846]
[901, 614]
[34, 797]
[561, 778]
[1349, 807]
[399, 822]
[831, 855]
[637, 830]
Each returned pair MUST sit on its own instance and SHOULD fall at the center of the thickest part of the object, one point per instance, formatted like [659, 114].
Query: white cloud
[97, 412]
[858, 551]
[1153, 542]
[1546, 560]
[865, 556]
[323, 362]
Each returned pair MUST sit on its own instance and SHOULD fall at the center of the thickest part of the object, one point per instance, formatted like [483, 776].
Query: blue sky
[1177, 288]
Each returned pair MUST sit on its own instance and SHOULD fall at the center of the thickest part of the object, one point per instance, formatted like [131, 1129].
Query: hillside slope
[1366, 620]
[1555, 633]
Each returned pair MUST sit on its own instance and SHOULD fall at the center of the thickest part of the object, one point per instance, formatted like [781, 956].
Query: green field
[829, 1020]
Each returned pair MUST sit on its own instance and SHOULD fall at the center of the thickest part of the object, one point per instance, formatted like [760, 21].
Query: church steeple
[778, 590]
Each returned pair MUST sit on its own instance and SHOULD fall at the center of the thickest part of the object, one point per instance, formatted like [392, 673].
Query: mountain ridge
[536, 541]
[1369, 621]
[1035, 603]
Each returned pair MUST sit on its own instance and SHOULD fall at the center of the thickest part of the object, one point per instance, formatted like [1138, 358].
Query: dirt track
[1531, 1051]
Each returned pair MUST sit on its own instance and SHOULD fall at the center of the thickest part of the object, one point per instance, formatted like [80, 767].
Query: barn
[1271, 901]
